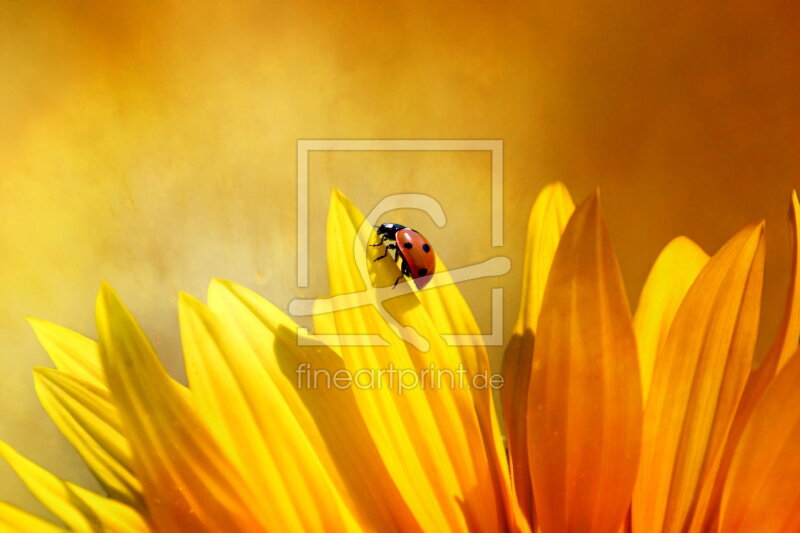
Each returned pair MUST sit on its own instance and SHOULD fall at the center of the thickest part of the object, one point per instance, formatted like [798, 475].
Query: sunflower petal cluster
[661, 420]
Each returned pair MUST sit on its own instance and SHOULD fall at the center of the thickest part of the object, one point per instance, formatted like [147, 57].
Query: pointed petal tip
[555, 187]
[337, 203]
[338, 196]
[223, 284]
[106, 296]
[42, 371]
[106, 286]
[188, 306]
[759, 227]
[556, 191]
[218, 286]
[7, 452]
[590, 205]
[38, 325]
[685, 243]
[45, 376]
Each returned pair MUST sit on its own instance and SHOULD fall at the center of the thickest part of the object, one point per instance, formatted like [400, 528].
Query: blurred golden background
[154, 145]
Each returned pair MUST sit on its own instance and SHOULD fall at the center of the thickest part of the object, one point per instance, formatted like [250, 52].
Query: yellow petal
[188, 482]
[548, 218]
[444, 312]
[13, 520]
[471, 451]
[80, 509]
[87, 418]
[407, 434]
[584, 411]
[71, 352]
[473, 441]
[674, 271]
[762, 492]
[698, 380]
[330, 417]
[246, 411]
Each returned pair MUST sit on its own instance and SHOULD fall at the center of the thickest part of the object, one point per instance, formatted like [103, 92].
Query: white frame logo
[494, 266]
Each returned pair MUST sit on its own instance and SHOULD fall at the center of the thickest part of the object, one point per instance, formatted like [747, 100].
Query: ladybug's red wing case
[418, 254]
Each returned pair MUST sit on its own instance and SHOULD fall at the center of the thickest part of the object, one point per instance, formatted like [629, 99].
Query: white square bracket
[493, 267]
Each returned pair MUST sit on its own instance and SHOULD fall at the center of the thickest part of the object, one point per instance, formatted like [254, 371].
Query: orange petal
[783, 347]
[514, 398]
[786, 342]
[762, 492]
[585, 411]
[698, 380]
[548, 218]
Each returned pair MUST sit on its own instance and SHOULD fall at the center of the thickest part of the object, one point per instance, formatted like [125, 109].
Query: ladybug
[410, 249]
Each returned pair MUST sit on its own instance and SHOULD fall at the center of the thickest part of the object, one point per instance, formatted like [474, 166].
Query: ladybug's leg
[384, 238]
[404, 271]
[386, 252]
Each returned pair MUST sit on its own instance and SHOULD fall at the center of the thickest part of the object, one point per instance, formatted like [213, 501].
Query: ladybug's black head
[388, 229]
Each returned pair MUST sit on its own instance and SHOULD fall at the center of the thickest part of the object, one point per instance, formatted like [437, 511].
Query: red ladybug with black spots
[410, 249]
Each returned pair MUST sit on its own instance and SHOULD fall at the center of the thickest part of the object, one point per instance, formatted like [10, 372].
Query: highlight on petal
[585, 410]
[674, 271]
[14, 520]
[762, 491]
[256, 427]
[89, 420]
[548, 218]
[80, 509]
[188, 483]
[698, 380]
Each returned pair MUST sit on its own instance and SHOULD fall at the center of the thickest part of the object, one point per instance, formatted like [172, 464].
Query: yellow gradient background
[153, 145]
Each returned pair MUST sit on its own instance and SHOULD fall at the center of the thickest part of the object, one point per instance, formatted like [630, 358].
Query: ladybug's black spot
[407, 245]
[426, 247]
[422, 271]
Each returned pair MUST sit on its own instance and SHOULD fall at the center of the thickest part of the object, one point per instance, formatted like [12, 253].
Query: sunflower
[658, 422]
